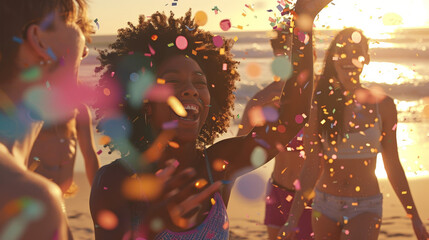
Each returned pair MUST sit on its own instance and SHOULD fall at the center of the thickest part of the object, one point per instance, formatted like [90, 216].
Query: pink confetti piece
[224, 66]
[152, 51]
[170, 125]
[394, 127]
[297, 185]
[99, 152]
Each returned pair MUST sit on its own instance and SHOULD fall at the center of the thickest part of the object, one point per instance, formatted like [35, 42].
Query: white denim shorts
[340, 209]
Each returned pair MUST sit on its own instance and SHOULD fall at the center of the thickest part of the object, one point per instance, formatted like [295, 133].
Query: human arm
[41, 208]
[294, 107]
[268, 95]
[86, 142]
[310, 173]
[394, 170]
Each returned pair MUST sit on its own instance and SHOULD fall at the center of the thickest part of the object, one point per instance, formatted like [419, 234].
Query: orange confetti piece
[173, 144]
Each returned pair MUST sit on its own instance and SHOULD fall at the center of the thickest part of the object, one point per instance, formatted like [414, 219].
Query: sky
[369, 15]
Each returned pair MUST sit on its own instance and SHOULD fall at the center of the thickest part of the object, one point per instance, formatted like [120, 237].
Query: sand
[246, 216]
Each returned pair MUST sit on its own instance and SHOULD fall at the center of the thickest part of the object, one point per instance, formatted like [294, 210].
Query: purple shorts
[278, 203]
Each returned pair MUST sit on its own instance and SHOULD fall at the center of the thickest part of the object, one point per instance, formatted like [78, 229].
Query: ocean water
[399, 66]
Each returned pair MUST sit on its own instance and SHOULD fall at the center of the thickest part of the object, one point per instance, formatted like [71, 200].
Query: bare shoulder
[40, 203]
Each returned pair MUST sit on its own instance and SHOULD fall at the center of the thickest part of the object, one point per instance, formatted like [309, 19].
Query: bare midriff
[349, 178]
[287, 168]
[55, 148]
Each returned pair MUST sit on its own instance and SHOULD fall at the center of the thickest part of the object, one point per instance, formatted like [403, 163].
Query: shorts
[277, 206]
[342, 209]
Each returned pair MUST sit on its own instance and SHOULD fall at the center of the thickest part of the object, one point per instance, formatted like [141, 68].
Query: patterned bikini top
[357, 145]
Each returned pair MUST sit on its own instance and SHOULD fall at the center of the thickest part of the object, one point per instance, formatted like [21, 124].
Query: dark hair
[282, 39]
[160, 32]
[17, 15]
[330, 97]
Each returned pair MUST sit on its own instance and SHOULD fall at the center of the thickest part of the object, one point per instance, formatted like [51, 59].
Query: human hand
[310, 7]
[180, 197]
[420, 229]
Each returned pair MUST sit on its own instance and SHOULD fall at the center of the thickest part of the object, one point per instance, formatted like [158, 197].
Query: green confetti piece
[31, 74]
[170, 44]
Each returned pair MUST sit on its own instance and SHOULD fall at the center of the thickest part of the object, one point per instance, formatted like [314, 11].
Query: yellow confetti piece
[409, 207]
[240, 126]
[177, 106]
[200, 18]
[235, 39]
[289, 198]
[240, 27]
[213, 201]
[357, 189]
[222, 51]
[160, 81]
[404, 192]
[200, 183]
[355, 204]
[323, 121]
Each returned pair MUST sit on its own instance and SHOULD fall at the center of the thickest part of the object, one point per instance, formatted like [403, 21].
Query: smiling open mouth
[193, 112]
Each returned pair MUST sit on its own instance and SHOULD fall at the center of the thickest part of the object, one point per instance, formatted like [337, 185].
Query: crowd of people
[164, 95]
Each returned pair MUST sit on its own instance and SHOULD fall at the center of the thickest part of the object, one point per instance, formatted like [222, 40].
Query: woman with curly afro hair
[167, 93]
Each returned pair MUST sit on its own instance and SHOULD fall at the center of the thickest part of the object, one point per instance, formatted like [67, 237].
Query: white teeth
[191, 107]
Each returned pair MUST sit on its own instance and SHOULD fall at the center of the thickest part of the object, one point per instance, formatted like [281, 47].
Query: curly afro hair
[157, 35]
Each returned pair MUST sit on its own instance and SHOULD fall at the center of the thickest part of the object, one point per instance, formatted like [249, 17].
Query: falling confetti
[177, 106]
[17, 39]
[281, 67]
[225, 24]
[200, 18]
[181, 42]
[218, 41]
[258, 156]
[107, 219]
[96, 23]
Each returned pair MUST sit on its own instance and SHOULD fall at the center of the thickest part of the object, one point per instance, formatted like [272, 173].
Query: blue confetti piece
[190, 29]
[51, 54]
[17, 39]
[47, 21]
[269, 10]
[262, 143]
[96, 23]
[305, 86]
[226, 181]
[280, 8]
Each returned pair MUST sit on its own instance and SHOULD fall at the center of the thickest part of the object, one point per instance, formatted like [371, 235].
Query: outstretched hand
[310, 7]
[181, 194]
